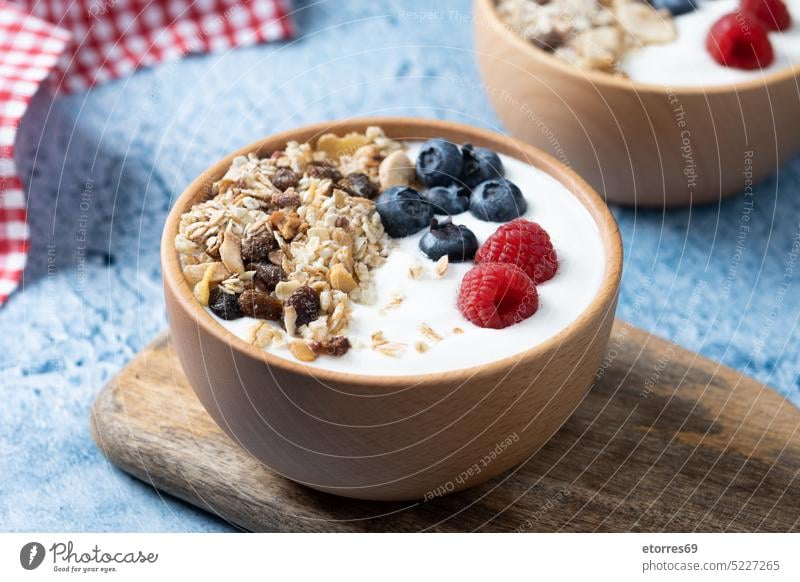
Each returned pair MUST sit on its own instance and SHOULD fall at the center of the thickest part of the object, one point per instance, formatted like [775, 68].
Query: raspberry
[773, 14]
[740, 41]
[522, 243]
[497, 295]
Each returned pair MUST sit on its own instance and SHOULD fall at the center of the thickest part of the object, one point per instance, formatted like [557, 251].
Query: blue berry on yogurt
[480, 164]
[497, 200]
[439, 163]
[456, 241]
[452, 199]
[403, 211]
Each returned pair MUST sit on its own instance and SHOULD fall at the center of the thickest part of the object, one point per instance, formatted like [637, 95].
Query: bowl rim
[607, 80]
[176, 285]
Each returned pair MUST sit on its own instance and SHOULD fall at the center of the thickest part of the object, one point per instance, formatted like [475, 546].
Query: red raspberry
[522, 243]
[740, 41]
[773, 14]
[497, 295]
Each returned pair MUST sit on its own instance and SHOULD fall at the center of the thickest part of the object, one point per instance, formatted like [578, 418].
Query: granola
[590, 34]
[294, 236]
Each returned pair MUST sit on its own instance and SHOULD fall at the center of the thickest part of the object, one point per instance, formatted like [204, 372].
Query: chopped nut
[645, 23]
[395, 301]
[276, 257]
[287, 223]
[396, 170]
[284, 289]
[230, 251]
[429, 333]
[341, 279]
[414, 271]
[441, 265]
[421, 347]
[382, 345]
[195, 273]
[458, 330]
[290, 320]
[302, 351]
[342, 222]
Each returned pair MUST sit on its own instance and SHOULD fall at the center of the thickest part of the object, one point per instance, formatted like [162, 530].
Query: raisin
[342, 222]
[336, 346]
[359, 185]
[306, 303]
[549, 40]
[260, 305]
[286, 199]
[224, 305]
[255, 249]
[285, 178]
[267, 276]
[323, 170]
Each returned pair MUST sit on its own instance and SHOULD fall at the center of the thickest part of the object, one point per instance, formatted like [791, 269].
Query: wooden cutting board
[665, 441]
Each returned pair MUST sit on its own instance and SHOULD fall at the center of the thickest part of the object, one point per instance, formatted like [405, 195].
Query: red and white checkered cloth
[91, 41]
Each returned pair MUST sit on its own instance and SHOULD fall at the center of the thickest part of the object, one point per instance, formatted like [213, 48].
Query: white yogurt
[431, 300]
[686, 62]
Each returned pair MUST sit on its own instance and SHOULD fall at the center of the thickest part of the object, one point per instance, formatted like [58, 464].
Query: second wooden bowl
[639, 144]
[391, 438]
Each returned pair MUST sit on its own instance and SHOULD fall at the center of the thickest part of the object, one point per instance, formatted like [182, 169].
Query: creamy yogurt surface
[686, 62]
[431, 300]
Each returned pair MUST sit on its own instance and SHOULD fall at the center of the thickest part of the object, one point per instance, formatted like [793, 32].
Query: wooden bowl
[636, 143]
[390, 438]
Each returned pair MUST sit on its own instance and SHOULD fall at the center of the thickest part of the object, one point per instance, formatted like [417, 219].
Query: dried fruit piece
[396, 170]
[336, 346]
[260, 305]
[302, 351]
[322, 170]
[341, 279]
[256, 248]
[359, 185]
[285, 178]
[202, 290]
[267, 276]
[224, 305]
[290, 199]
[305, 302]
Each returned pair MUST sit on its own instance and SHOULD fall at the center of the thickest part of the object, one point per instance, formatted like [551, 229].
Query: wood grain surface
[665, 441]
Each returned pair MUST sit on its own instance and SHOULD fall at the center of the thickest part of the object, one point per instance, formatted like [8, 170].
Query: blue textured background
[110, 162]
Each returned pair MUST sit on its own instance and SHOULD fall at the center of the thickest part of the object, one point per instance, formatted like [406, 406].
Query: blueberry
[445, 238]
[479, 165]
[497, 200]
[452, 199]
[403, 211]
[439, 163]
[675, 7]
